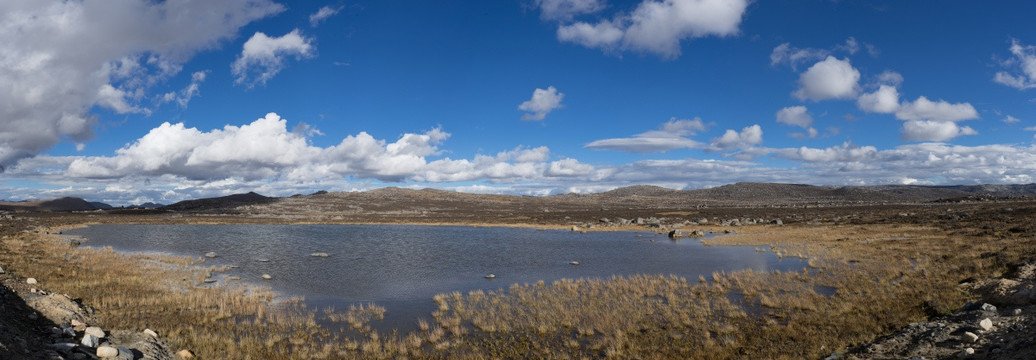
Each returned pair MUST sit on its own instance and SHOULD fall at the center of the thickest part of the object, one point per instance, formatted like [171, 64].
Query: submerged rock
[211, 254]
[490, 276]
[573, 262]
[267, 277]
[319, 254]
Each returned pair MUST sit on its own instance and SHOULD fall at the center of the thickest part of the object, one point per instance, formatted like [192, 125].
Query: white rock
[151, 333]
[31, 281]
[986, 324]
[490, 276]
[89, 340]
[211, 254]
[267, 277]
[1, 269]
[95, 331]
[1017, 312]
[319, 254]
[970, 337]
[107, 352]
[969, 352]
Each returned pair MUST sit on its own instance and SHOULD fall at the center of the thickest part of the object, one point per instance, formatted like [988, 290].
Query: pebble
[107, 352]
[490, 276]
[89, 340]
[986, 324]
[31, 281]
[1017, 312]
[573, 263]
[988, 307]
[969, 352]
[151, 333]
[211, 254]
[267, 277]
[970, 337]
[95, 331]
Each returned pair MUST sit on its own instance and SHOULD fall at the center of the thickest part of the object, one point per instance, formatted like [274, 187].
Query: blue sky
[127, 101]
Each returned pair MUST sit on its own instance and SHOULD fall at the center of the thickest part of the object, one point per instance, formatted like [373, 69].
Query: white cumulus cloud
[924, 109]
[884, 100]
[1025, 61]
[796, 116]
[830, 78]
[62, 58]
[746, 138]
[929, 130]
[543, 101]
[262, 56]
[658, 27]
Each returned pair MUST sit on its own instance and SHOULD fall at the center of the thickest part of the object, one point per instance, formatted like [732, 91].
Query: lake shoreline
[844, 253]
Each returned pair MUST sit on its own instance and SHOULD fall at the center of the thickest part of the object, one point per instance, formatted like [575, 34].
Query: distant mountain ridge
[399, 199]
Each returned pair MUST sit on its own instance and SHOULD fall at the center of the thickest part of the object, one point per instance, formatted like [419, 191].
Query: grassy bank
[863, 280]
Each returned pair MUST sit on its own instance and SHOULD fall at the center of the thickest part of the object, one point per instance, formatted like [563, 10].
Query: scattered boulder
[776, 222]
[1, 269]
[211, 254]
[675, 234]
[697, 233]
[31, 281]
[125, 353]
[107, 352]
[185, 354]
[95, 331]
[150, 333]
[89, 340]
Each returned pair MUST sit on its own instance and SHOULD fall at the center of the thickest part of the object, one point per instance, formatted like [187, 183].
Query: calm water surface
[402, 267]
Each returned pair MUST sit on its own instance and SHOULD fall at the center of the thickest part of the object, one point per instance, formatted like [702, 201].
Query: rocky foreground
[38, 324]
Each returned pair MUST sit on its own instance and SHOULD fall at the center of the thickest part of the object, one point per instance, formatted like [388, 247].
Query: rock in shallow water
[267, 277]
[211, 254]
[319, 254]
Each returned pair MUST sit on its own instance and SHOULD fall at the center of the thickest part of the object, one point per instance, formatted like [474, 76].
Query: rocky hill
[62, 204]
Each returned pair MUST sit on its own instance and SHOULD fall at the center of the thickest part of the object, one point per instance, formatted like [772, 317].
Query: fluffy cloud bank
[655, 27]
[62, 58]
[173, 162]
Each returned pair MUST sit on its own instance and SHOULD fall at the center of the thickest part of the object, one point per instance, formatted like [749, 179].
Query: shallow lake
[402, 267]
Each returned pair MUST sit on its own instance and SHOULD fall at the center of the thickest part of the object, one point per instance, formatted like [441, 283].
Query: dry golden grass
[861, 281]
